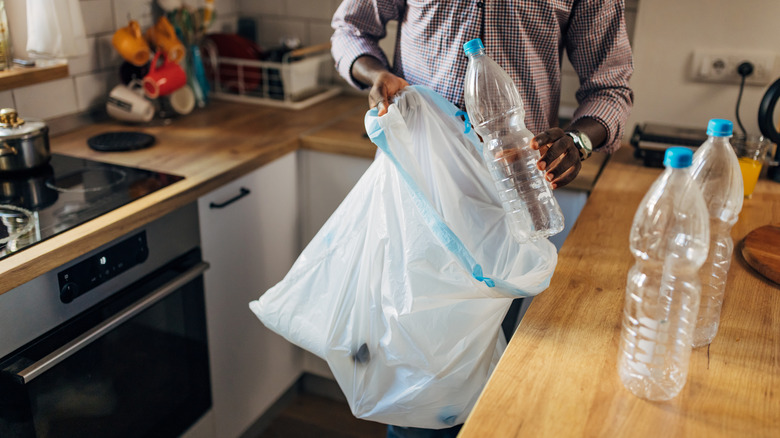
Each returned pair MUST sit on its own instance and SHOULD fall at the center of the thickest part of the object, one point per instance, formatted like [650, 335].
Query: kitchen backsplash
[91, 76]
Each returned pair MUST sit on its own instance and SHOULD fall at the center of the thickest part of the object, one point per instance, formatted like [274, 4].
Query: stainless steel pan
[24, 144]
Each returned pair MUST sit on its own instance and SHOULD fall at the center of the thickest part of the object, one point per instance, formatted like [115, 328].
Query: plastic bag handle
[466, 121]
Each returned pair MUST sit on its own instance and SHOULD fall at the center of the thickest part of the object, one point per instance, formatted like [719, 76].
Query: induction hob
[67, 192]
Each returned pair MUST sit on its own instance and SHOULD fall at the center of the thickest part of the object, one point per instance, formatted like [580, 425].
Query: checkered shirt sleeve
[527, 38]
[598, 48]
[359, 25]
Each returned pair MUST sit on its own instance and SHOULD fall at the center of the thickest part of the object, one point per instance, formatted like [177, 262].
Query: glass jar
[6, 57]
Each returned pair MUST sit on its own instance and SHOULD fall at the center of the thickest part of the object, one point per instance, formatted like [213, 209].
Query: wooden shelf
[22, 76]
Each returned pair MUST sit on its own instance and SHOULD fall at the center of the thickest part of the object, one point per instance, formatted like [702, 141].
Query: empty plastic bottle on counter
[496, 111]
[669, 240]
[716, 169]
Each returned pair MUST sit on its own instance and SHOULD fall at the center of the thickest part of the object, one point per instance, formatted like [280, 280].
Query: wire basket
[303, 78]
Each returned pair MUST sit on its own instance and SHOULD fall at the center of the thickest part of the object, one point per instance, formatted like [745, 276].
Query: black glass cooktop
[43, 202]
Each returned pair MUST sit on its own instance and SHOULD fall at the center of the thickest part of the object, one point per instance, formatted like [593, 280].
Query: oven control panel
[101, 267]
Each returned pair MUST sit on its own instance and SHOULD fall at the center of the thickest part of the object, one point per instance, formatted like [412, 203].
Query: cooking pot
[28, 189]
[24, 144]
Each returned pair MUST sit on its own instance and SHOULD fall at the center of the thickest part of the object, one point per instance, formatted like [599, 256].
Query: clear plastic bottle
[669, 240]
[496, 110]
[716, 169]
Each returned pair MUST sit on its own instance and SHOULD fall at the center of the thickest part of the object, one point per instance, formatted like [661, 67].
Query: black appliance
[651, 140]
[113, 343]
[767, 124]
[39, 203]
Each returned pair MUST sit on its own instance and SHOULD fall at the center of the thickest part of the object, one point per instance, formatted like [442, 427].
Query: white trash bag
[404, 288]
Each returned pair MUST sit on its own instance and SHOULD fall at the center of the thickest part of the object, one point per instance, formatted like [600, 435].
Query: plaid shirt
[525, 37]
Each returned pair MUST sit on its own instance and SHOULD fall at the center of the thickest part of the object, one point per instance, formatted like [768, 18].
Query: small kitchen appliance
[651, 140]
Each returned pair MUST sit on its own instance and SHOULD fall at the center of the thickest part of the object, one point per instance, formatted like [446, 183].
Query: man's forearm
[366, 69]
[592, 128]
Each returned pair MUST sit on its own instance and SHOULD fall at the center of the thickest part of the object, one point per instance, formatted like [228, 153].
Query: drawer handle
[244, 192]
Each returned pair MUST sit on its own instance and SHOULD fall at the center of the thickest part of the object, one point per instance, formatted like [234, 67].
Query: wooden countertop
[558, 376]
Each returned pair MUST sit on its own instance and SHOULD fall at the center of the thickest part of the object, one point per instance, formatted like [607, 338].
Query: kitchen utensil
[131, 45]
[128, 104]
[759, 249]
[23, 144]
[120, 141]
[164, 79]
[163, 37]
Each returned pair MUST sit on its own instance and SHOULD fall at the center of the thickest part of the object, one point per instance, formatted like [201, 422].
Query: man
[527, 38]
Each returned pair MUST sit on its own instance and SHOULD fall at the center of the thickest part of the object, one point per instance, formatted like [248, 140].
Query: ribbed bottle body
[713, 283]
[669, 241]
[716, 169]
[496, 112]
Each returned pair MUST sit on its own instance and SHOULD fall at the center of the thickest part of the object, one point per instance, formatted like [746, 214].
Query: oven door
[134, 365]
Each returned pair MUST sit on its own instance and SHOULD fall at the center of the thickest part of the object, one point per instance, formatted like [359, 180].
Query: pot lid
[12, 126]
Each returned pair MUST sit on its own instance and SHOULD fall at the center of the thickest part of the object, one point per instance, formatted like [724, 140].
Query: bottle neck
[477, 54]
[718, 140]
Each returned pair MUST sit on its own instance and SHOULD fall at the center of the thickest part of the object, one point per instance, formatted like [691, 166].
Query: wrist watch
[583, 143]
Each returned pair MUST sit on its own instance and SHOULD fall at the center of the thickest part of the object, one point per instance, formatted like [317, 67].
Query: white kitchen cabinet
[326, 179]
[251, 244]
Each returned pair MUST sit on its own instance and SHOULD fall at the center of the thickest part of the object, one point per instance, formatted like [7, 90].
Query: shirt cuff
[612, 114]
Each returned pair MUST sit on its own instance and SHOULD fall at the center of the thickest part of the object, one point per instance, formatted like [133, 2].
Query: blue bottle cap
[720, 128]
[678, 157]
[473, 46]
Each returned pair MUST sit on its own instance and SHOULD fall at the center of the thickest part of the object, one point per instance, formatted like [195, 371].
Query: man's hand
[384, 85]
[560, 157]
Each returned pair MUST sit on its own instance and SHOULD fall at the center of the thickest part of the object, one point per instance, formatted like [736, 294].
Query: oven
[112, 344]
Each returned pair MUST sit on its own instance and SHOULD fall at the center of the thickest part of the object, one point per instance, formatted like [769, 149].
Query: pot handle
[6, 150]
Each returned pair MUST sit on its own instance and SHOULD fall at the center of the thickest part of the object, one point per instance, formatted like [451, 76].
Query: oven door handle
[67, 350]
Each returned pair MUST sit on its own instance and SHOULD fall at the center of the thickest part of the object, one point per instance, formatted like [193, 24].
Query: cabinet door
[326, 180]
[251, 244]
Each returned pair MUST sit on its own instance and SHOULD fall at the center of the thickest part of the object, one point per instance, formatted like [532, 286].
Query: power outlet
[721, 66]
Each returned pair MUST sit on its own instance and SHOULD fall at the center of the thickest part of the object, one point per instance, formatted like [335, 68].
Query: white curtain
[55, 29]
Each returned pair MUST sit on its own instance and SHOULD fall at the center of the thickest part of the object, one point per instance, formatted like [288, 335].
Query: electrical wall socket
[710, 65]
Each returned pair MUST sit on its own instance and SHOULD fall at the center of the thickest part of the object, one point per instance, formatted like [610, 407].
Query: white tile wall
[7, 99]
[87, 63]
[261, 7]
[97, 16]
[317, 9]
[319, 33]
[92, 89]
[138, 10]
[47, 100]
[273, 29]
[107, 55]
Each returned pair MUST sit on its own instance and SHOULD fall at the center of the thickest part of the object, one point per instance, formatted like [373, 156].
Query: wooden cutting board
[761, 250]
